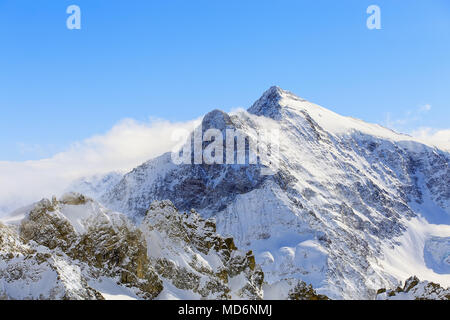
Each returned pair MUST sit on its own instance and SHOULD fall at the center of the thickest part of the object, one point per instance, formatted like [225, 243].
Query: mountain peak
[216, 119]
[269, 103]
[274, 90]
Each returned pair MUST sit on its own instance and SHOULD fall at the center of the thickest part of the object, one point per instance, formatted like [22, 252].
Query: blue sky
[177, 60]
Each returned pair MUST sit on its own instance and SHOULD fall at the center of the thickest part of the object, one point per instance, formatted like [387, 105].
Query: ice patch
[437, 254]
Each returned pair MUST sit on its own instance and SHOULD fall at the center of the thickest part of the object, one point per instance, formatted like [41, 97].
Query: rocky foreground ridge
[414, 289]
[74, 248]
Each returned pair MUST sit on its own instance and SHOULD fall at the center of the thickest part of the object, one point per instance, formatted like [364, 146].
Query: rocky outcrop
[67, 249]
[414, 289]
[46, 226]
[103, 240]
[28, 271]
[302, 291]
[44, 276]
[188, 253]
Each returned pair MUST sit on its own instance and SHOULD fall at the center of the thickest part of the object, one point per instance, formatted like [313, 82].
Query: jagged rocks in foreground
[414, 289]
[73, 248]
[188, 255]
[291, 289]
[81, 244]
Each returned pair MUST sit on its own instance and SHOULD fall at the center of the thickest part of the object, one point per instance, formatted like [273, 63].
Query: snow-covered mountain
[353, 207]
[352, 211]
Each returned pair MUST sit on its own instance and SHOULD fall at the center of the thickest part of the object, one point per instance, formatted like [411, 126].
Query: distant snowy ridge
[96, 185]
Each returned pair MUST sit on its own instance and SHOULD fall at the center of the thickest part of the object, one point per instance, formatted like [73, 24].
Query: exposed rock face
[217, 119]
[43, 276]
[31, 272]
[269, 104]
[47, 227]
[291, 289]
[345, 193]
[188, 253]
[302, 291]
[103, 240]
[196, 186]
[200, 186]
[10, 243]
[414, 289]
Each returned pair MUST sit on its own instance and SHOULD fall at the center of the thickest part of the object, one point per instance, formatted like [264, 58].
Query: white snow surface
[413, 253]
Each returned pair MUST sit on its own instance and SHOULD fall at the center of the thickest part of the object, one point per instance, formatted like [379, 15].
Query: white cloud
[126, 145]
[438, 138]
[410, 123]
[425, 108]
[410, 118]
